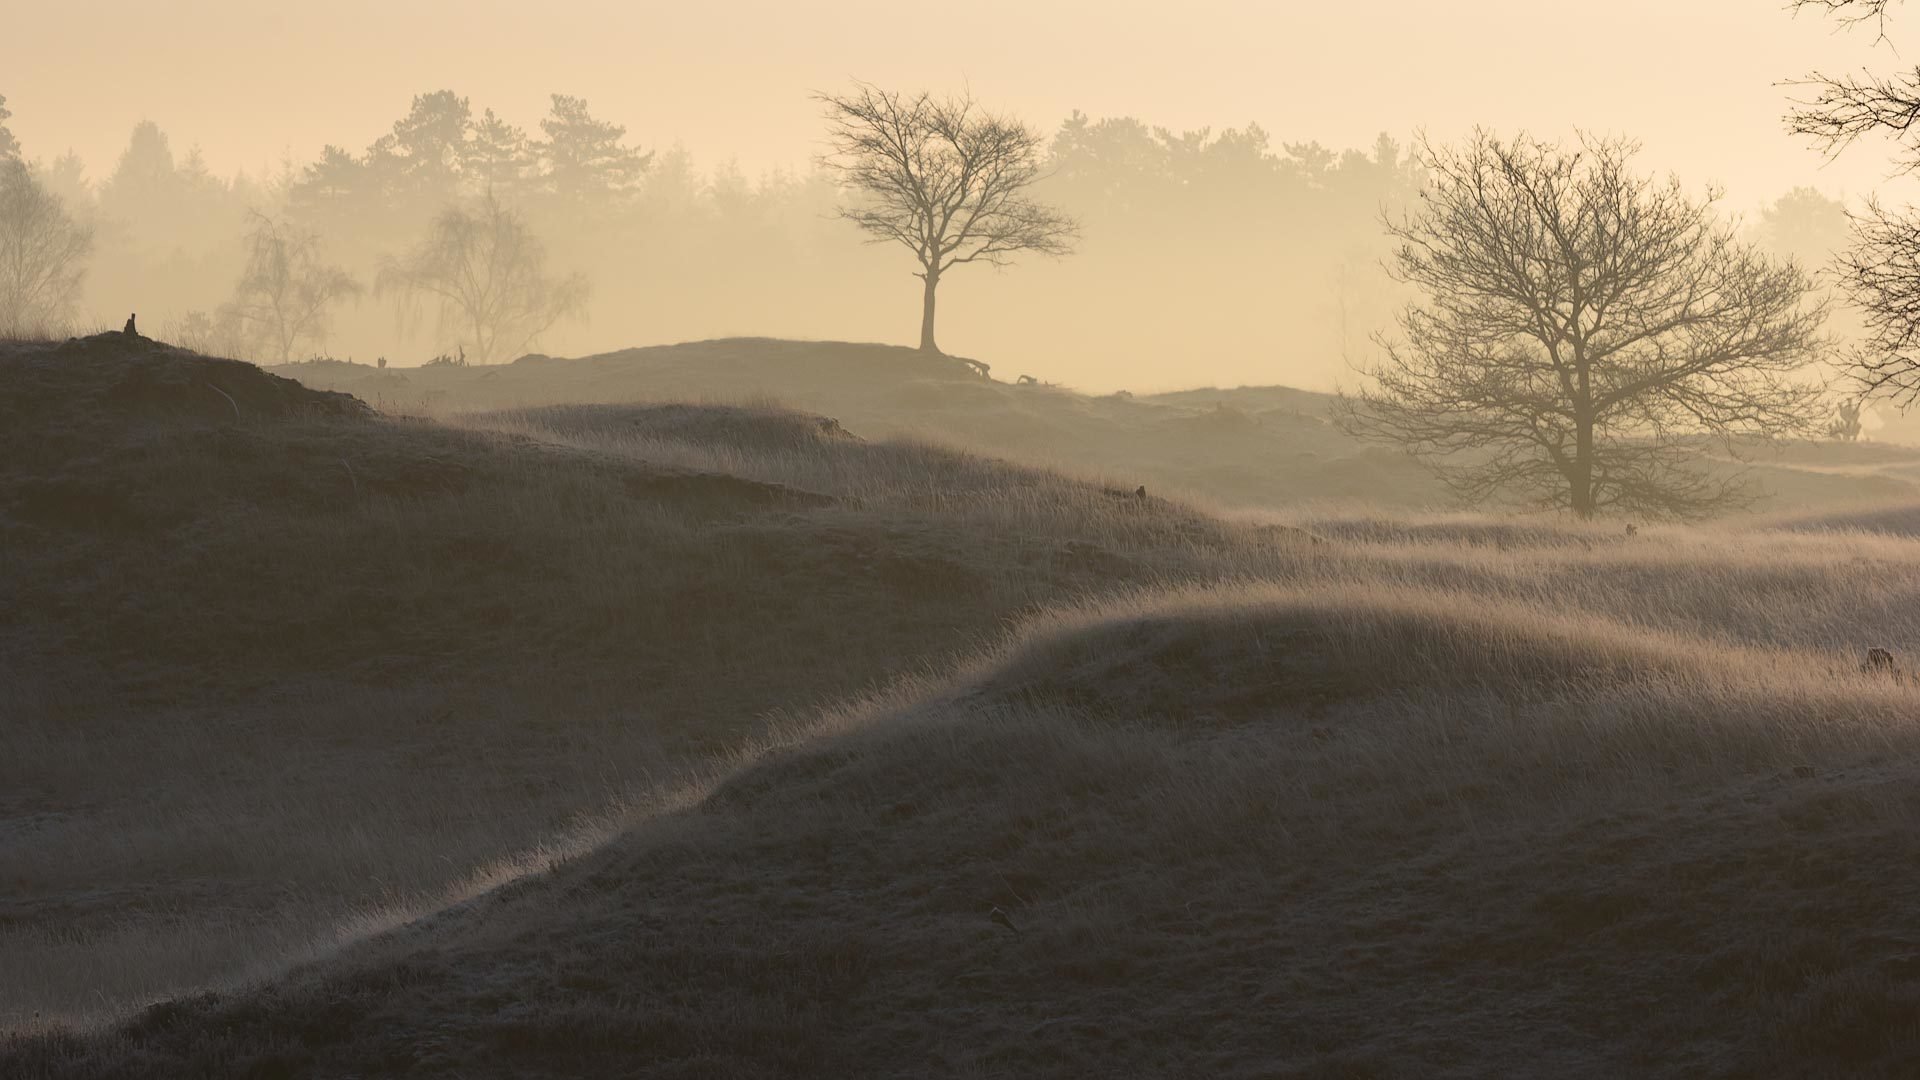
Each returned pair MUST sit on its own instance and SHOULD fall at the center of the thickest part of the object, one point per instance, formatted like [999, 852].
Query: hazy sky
[251, 80]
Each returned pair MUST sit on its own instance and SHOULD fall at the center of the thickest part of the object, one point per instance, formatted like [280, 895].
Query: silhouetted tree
[1880, 270]
[43, 253]
[674, 188]
[498, 158]
[485, 273]
[944, 179]
[1580, 324]
[164, 204]
[9, 146]
[1115, 163]
[1803, 225]
[328, 185]
[583, 159]
[422, 158]
[146, 180]
[1845, 425]
[67, 178]
[287, 291]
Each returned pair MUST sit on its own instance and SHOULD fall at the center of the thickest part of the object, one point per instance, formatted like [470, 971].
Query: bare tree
[1880, 270]
[1851, 12]
[485, 272]
[1582, 328]
[943, 178]
[286, 292]
[43, 253]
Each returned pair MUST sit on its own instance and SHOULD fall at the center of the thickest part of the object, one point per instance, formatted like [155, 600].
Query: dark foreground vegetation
[277, 667]
[729, 741]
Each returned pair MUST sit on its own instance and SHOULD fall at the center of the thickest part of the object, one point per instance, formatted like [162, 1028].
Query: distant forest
[1263, 256]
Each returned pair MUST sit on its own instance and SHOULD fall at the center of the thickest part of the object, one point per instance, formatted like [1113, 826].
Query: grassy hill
[702, 740]
[274, 667]
[1262, 447]
[1336, 831]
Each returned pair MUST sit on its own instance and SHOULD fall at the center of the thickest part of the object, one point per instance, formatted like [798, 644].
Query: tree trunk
[926, 314]
[1582, 478]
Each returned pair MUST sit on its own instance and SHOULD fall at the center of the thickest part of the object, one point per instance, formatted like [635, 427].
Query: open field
[707, 740]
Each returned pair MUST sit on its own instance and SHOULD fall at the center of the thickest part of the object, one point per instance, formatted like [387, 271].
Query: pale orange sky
[249, 82]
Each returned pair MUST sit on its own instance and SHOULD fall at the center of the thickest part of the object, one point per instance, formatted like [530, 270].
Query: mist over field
[1217, 539]
[1232, 219]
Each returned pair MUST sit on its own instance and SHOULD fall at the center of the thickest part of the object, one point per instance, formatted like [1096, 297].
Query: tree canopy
[287, 292]
[1578, 325]
[484, 273]
[943, 178]
[43, 254]
[1880, 270]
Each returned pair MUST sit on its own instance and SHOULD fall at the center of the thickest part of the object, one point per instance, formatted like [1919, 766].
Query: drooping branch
[1852, 12]
[1845, 108]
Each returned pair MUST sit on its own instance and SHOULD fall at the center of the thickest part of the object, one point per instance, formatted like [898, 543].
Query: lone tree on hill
[1880, 270]
[1582, 329]
[486, 273]
[43, 253]
[944, 178]
[286, 292]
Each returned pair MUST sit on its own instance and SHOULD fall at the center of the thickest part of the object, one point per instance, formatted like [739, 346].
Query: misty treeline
[1267, 255]
[1218, 241]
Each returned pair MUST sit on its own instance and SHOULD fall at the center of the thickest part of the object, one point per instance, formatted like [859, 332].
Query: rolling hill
[275, 666]
[1258, 447]
[1326, 832]
[673, 739]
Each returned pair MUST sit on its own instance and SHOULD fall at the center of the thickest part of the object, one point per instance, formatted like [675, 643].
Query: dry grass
[724, 732]
[267, 679]
[1324, 829]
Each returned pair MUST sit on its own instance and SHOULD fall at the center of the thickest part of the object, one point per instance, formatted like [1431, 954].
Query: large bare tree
[43, 253]
[1582, 327]
[287, 291]
[944, 179]
[1880, 270]
[486, 274]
